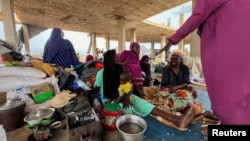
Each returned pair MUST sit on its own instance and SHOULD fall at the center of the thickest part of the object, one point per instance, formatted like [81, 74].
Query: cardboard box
[41, 92]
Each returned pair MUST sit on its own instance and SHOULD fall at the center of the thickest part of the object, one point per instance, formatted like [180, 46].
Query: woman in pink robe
[131, 63]
[225, 53]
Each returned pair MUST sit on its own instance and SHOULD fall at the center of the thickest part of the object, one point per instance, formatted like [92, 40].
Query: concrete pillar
[168, 22]
[195, 40]
[152, 54]
[132, 35]
[121, 35]
[94, 48]
[181, 43]
[107, 40]
[163, 43]
[9, 22]
[26, 39]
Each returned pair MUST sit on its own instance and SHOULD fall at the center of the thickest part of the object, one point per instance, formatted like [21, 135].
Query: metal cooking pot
[131, 127]
[12, 114]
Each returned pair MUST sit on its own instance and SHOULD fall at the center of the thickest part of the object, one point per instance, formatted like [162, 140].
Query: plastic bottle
[2, 133]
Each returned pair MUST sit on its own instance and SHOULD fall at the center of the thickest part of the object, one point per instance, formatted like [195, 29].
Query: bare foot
[184, 120]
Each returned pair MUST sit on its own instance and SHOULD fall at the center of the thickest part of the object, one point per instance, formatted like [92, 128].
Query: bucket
[111, 111]
[131, 128]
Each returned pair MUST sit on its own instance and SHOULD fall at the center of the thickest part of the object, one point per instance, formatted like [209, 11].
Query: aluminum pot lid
[11, 104]
[39, 114]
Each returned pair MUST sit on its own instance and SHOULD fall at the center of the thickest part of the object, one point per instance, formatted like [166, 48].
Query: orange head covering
[177, 54]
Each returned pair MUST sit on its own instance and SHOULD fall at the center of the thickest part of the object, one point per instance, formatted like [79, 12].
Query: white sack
[22, 71]
[15, 82]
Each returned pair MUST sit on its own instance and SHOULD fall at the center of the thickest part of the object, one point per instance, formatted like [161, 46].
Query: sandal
[208, 118]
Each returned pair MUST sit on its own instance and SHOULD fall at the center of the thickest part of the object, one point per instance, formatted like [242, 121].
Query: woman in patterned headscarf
[59, 51]
[131, 63]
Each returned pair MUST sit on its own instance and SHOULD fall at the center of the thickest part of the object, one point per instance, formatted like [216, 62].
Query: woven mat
[158, 131]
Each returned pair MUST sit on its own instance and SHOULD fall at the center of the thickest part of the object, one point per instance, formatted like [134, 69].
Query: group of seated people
[115, 84]
[120, 80]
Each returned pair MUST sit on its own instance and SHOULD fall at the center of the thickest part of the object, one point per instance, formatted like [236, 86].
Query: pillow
[22, 71]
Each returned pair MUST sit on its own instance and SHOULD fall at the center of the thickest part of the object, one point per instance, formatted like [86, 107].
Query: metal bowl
[35, 117]
[131, 127]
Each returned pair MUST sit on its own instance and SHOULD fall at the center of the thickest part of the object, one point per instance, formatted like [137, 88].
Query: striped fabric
[59, 51]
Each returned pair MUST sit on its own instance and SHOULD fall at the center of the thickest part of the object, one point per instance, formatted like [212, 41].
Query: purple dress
[225, 53]
[133, 66]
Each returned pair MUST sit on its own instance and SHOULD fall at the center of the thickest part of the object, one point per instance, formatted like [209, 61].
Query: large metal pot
[131, 128]
[12, 114]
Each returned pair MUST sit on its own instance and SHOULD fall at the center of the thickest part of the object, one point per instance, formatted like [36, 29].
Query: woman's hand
[165, 48]
[190, 89]
[172, 89]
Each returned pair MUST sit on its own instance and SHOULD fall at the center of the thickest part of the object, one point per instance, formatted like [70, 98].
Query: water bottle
[2, 133]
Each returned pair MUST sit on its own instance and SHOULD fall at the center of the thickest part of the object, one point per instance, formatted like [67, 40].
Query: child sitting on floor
[125, 88]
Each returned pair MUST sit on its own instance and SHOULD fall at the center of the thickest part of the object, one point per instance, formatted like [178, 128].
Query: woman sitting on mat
[107, 84]
[176, 75]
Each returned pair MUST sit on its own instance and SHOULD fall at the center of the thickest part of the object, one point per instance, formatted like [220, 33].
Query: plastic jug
[2, 133]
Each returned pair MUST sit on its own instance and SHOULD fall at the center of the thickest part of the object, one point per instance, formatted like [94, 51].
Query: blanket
[157, 131]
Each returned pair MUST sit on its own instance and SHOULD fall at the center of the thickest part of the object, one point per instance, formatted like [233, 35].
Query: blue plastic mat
[158, 131]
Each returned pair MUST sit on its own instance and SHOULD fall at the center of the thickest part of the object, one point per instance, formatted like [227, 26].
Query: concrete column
[9, 23]
[195, 40]
[163, 43]
[94, 48]
[152, 54]
[181, 43]
[26, 38]
[132, 35]
[121, 35]
[168, 22]
[107, 40]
